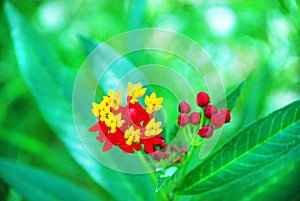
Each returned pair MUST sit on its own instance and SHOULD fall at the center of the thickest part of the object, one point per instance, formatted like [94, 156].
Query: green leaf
[232, 97]
[276, 175]
[51, 84]
[169, 136]
[255, 147]
[163, 175]
[35, 184]
[34, 148]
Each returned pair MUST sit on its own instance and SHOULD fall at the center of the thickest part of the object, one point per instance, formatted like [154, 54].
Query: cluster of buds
[170, 154]
[214, 118]
[131, 127]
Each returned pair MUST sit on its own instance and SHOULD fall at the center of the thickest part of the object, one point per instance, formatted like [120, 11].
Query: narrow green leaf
[51, 84]
[88, 44]
[233, 96]
[255, 147]
[35, 184]
[169, 136]
[34, 147]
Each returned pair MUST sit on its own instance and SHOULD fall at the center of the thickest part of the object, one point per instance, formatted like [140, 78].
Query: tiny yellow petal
[147, 100]
[159, 100]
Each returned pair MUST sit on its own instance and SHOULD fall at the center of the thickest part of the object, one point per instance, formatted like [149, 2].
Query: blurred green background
[256, 40]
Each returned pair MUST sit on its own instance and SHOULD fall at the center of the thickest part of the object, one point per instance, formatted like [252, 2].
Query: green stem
[195, 143]
[152, 176]
[186, 166]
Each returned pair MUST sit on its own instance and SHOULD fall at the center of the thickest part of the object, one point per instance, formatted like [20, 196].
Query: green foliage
[232, 97]
[164, 175]
[255, 147]
[35, 184]
[54, 101]
[41, 154]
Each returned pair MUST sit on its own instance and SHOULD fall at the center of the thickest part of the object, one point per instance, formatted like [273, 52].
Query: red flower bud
[173, 148]
[163, 145]
[210, 110]
[205, 131]
[218, 119]
[157, 155]
[184, 150]
[195, 118]
[183, 120]
[226, 112]
[184, 107]
[166, 154]
[180, 160]
[202, 99]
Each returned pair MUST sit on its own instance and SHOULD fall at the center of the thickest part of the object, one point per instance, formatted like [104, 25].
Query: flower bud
[184, 150]
[218, 120]
[184, 107]
[166, 154]
[173, 148]
[180, 160]
[226, 112]
[163, 145]
[183, 120]
[157, 155]
[210, 110]
[195, 118]
[202, 99]
[205, 132]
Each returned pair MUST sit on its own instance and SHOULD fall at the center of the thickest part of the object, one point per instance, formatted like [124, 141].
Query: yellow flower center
[135, 91]
[153, 128]
[116, 99]
[132, 135]
[153, 104]
[114, 121]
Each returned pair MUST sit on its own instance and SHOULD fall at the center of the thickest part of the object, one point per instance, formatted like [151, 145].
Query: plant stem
[152, 176]
[186, 166]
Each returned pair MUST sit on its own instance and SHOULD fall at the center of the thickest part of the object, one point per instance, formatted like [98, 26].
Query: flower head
[115, 98]
[130, 127]
[153, 104]
[135, 91]
[132, 135]
[153, 128]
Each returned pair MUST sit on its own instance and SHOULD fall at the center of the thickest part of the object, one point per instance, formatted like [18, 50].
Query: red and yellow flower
[131, 127]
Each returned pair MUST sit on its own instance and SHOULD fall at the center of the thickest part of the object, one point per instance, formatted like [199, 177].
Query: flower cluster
[131, 127]
[170, 154]
[213, 119]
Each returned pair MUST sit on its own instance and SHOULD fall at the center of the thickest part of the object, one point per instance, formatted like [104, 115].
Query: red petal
[137, 147]
[148, 147]
[120, 136]
[156, 140]
[94, 128]
[107, 146]
[126, 148]
[101, 137]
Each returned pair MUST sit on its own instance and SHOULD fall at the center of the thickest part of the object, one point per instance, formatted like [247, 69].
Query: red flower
[150, 143]
[130, 148]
